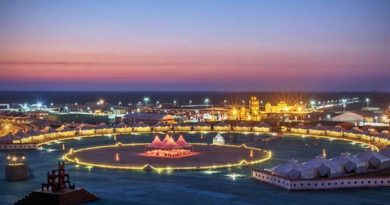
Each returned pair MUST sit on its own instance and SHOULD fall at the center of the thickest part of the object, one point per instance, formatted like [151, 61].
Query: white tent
[323, 167]
[348, 117]
[293, 170]
[350, 163]
[219, 139]
[374, 159]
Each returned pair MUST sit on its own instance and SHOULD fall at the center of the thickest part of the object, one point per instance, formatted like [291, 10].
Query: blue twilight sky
[262, 45]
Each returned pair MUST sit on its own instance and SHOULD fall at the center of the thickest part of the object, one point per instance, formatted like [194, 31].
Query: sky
[213, 45]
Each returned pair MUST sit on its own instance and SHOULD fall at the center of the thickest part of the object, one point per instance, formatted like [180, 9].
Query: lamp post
[313, 104]
[328, 116]
[344, 103]
[367, 101]
[146, 100]
[206, 101]
[39, 105]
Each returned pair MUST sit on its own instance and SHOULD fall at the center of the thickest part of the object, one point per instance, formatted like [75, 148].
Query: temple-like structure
[58, 190]
[168, 147]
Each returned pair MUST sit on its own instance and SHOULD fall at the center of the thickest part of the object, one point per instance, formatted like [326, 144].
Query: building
[250, 113]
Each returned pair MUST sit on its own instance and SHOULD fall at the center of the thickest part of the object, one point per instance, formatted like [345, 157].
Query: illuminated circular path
[131, 158]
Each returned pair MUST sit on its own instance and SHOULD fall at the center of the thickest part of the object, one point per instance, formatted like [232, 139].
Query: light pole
[328, 116]
[146, 100]
[367, 101]
[313, 104]
[39, 105]
[344, 103]
[206, 101]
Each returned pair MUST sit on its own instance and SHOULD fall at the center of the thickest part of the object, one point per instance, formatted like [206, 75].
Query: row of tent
[37, 135]
[343, 165]
[337, 131]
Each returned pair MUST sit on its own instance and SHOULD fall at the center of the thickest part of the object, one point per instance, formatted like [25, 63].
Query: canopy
[181, 141]
[156, 143]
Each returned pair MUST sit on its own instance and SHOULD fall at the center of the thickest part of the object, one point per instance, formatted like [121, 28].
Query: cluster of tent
[169, 143]
[369, 134]
[343, 165]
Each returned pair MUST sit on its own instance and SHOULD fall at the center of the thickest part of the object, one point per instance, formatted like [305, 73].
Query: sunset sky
[221, 45]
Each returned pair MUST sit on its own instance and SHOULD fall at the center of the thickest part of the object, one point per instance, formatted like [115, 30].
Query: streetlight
[367, 101]
[146, 100]
[328, 116]
[190, 102]
[100, 102]
[206, 101]
[174, 102]
[313, 104]
[344, 101]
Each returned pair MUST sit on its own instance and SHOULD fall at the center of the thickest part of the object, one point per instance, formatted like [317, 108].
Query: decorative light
[160, 169]
[117, 159]
[233, 176]
[210, 172]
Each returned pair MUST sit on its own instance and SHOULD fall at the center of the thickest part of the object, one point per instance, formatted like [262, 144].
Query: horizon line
[216, 91]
